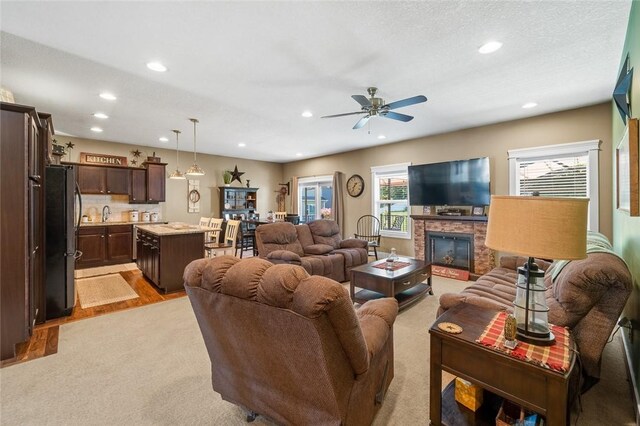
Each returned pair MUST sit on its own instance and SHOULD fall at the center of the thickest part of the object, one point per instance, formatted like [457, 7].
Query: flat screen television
[454, 183]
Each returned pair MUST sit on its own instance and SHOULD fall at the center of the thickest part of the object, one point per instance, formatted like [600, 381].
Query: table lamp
[542, 227]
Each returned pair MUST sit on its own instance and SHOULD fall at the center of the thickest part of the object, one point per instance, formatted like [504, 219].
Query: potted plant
[226, 176]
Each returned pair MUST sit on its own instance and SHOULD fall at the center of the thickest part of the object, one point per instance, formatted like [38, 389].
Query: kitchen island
[164, 250]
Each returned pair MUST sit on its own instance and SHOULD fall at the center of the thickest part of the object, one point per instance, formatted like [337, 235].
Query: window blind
[554, 176]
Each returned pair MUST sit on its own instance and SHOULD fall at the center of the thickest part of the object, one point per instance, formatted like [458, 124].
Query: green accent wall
[626, 229]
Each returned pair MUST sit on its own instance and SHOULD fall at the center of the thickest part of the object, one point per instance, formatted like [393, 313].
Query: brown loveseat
[291, 346]
[587, 296]
[317, 246]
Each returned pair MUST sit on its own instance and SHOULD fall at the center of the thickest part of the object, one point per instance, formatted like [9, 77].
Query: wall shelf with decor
[235, 202]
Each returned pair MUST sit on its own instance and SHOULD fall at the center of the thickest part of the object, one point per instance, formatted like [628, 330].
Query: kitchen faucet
[106, 211]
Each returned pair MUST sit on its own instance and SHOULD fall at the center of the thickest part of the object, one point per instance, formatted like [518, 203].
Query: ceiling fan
[375, 106]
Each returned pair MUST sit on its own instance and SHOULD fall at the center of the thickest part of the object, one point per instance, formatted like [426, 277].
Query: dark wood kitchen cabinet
[103, 180]
[138, 193]
[162, 258]
[156, 182]
[104, 245]
[22, 155]
[145, 184]
[117, 180]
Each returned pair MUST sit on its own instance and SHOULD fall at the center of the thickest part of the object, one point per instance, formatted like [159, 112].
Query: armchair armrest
[353, 243]
[284, 256]
[376, 321]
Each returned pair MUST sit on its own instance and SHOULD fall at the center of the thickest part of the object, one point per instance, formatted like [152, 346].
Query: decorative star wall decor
[136, 153]
[622, 91]
[70, 145]
[235, 175]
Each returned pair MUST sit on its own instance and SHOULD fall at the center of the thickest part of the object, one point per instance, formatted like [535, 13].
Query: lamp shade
[543, 227]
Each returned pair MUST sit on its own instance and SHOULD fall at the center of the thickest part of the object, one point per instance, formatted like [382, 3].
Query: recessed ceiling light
[529, 105]
[163, 139]
[100, 115]
[307, 114]
[156, 66]
[298, 154]
[108, 96]
[96, 129]
[382, 137]
[490, 47]
[242, 145]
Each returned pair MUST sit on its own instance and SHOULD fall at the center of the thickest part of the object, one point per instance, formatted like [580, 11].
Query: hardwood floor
[44, 340]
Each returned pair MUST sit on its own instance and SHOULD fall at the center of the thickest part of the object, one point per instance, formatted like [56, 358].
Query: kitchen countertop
[174, 228]
[122, 222]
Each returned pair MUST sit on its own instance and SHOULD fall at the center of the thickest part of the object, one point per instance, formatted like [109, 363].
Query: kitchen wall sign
[103, 159]
[193, 196]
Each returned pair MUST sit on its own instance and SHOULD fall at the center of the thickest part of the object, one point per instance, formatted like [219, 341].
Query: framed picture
[477, 211]
[627, 177]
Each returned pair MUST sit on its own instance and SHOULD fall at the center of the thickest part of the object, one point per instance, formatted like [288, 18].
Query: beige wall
[581, 124]
[263, 175]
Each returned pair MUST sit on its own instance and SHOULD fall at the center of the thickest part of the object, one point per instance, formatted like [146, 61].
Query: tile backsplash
[92, 205]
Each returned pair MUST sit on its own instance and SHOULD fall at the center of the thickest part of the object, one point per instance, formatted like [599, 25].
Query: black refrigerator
[61, 236]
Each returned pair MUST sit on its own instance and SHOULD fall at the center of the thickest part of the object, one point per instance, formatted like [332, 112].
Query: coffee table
[405, 284]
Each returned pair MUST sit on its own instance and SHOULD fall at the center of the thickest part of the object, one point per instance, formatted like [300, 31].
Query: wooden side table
[536, 388]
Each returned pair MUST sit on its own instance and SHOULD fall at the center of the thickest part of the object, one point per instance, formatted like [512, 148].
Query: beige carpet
[149, 366]
[104, 270]
[102, 290]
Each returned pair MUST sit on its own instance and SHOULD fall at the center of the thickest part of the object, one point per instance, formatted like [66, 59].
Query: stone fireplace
[481, 259]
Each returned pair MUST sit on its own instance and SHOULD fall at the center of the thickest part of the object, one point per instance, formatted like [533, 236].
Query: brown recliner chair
[291, 346]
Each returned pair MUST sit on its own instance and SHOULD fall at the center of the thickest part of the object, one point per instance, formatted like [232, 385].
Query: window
[390, 199]
[566, 170]
[315, 195]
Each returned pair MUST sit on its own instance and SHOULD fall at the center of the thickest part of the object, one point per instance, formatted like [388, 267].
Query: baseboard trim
[626, 344]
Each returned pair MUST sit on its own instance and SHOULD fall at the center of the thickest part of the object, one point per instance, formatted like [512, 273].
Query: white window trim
[391, 168]
[591, 148]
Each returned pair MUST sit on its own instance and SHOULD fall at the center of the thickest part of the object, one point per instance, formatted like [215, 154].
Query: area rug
[104, 270]
[96, 291]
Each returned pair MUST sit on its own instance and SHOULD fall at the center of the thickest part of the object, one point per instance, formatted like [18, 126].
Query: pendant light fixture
[194, 170]
[177, 174]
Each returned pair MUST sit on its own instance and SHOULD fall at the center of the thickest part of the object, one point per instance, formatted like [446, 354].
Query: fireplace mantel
[484, 257]
[452, 218]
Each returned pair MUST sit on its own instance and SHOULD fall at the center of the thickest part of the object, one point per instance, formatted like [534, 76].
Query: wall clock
[355, 185]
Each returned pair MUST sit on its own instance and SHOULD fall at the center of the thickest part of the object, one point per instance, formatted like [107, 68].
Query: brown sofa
[291, 346]
[587, 296]
[317, 246]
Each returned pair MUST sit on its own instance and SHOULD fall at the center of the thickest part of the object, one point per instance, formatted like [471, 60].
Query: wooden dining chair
[228, 244]
[280, 216]
[216, 225]
[368, 228]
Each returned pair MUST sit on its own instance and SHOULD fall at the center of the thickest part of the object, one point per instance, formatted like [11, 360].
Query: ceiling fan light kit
[374, 106]
[194, 170]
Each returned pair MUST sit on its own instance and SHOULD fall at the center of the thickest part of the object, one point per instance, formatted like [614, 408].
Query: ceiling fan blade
[397, 116]
[406, 102]
[362, 122]
[362, 100]
[342, 115]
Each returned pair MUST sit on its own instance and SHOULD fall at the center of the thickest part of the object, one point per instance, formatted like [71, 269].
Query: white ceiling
[247, 70]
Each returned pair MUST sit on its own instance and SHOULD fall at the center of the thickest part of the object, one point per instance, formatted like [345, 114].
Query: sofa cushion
[285, 256]
[318, 249]
[278, 236]
[325, 232]
[354, 243]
